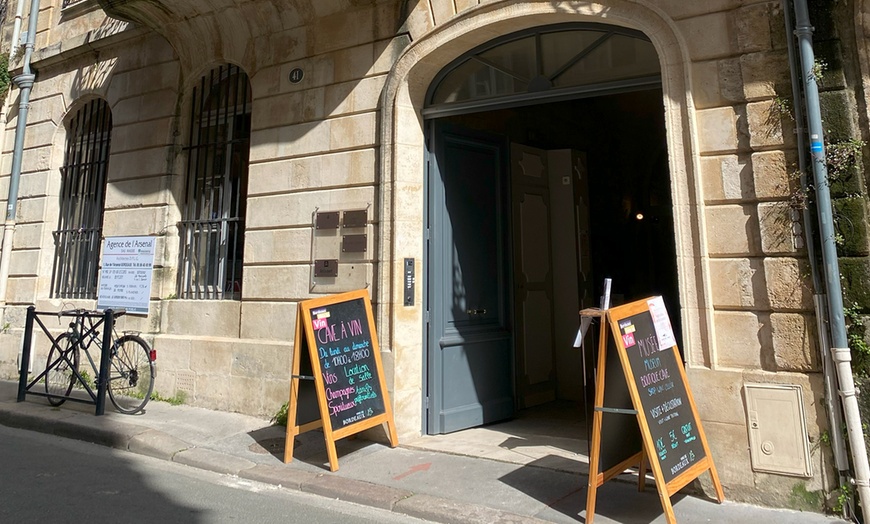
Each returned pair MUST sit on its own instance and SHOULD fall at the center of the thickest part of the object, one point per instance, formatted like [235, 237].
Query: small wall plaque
[296, 75]
[353, 244]
[327, 220]
[356, 218]
[326, 267]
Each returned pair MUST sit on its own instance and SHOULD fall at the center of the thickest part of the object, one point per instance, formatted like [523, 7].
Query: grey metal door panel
[473, 391]
[470, 345]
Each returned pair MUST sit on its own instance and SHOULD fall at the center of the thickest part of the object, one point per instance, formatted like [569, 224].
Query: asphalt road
[44, 478]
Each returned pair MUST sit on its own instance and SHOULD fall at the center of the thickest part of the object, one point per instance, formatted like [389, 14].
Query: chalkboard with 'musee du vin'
[673, 440]
[661, 388]
[336, 339]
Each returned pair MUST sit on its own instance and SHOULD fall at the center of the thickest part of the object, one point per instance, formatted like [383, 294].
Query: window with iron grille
[212, 229]
[82, 198]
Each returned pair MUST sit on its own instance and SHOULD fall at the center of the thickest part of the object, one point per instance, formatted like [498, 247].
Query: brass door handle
[472, 312]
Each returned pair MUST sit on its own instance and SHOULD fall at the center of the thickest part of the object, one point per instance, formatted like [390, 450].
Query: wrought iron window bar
[211, 231]
[82, 200]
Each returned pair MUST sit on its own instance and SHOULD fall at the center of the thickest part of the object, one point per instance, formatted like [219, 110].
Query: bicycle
[131, 363]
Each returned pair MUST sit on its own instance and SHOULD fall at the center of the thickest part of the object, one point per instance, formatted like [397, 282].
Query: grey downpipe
[14, 46]
[840, 350]
[24, 81]
[832, 404]
[16, 26]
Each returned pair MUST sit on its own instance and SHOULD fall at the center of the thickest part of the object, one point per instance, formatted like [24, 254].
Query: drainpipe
[14, 46]
[840, 350]
[832, 405]
[16, 27]
[24, 81]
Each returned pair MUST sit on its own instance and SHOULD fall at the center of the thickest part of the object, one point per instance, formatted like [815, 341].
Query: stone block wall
[759, 275]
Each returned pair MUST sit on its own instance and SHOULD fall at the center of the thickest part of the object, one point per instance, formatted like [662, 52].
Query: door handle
[472, 312]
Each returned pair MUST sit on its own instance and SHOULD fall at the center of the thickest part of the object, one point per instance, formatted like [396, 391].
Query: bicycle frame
[107, 321]
[83, 332]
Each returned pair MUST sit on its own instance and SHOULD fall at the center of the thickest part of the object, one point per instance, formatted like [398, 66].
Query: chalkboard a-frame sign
[336, 348]
[673, 442]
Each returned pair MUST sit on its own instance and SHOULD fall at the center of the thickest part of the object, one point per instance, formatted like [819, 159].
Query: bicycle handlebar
[81, 312]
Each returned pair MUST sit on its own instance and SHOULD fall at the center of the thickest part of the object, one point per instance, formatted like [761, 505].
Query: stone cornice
[87, 43]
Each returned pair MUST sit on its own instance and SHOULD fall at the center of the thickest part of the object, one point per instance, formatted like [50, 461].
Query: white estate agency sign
[125, 281]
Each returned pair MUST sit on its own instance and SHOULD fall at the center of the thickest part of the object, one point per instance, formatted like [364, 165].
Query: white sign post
[125, 280]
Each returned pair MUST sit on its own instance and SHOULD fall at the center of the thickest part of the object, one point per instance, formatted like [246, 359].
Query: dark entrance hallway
[623, 138]
[619, 226]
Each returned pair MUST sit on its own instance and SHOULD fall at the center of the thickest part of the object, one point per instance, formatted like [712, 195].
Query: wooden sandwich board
[336, 350]
[649, 367]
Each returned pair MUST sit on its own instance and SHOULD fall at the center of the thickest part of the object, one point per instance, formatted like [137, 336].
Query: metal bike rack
[107, 320]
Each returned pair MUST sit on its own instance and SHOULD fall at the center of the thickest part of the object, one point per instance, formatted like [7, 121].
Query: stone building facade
[324, 106]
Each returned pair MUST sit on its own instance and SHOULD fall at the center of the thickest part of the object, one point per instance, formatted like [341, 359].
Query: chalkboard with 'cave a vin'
[347, 362]
[336, 339]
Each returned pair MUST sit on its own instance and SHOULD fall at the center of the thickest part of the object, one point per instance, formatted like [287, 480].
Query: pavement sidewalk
[408, 480]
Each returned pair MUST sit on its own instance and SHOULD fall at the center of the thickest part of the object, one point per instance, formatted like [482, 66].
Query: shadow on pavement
[309, 447]
[564, 492]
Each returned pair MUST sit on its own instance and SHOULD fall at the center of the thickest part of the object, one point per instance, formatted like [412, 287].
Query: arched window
[212, 229]
[563, 60]
[82, 198]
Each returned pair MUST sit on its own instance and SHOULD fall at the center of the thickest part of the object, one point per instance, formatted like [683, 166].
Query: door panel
[470, 348]
[476, 384]
[572, 267]
[533, 276]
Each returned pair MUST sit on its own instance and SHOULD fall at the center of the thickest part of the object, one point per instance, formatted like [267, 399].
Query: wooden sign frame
[306, 345]
[633, 457]
[610, 326]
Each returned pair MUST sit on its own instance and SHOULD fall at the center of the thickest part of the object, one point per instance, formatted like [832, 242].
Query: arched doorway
[547, 172]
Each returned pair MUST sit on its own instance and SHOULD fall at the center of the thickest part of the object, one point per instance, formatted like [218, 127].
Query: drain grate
[270, 445]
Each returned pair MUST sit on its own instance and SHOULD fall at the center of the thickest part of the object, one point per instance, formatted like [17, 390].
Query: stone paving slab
[352, 490]
[157, 444]
[278, 475]
[450, 511]
[212, 461]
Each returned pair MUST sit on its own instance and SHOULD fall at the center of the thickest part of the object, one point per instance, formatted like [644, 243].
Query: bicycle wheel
[131, 374]
[59, 376]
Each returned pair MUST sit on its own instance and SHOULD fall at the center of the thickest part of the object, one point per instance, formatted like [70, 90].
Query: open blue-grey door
[470, 377]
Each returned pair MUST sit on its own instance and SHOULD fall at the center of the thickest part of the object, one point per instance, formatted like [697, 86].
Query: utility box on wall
[778, 441]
